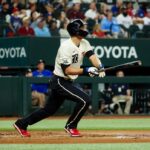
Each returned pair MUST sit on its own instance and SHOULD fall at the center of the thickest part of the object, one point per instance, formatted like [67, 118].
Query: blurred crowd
[49, 18]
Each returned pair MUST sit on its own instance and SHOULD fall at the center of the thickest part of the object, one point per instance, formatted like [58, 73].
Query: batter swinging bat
[123, 66]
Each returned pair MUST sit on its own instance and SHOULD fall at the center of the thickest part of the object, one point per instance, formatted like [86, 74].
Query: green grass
[87, 124]
[133, 146]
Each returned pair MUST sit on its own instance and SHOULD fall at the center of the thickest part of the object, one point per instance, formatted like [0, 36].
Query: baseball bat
[123, 66]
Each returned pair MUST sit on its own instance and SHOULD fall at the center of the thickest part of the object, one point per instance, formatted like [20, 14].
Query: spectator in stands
[28, 73]
[32, 8]
[130, 9]
[15, 20]
[74, 12]
[49, 20]
[87, 1]
[138, 20]
[42, 30]
[16, 4]
[53, 28]
[110, 26]
[26, 30]
[49, 10]
[116, 8]
[104, 9]
[147, 18]
[121, 93]
[63, 30]
[4, 14]
[5, 11]
[34, 17]
[97, 32]
[39, 90]
[62, 18]
[42, 6]
[92, 12]
[141, 12]
[92, 16]
[58, 6]
[125, 21]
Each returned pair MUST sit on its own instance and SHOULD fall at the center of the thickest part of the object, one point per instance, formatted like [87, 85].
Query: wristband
[101, 66]
[85, 70]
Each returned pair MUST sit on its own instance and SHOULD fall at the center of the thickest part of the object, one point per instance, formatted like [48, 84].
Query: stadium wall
[25, 51]
[15, 97]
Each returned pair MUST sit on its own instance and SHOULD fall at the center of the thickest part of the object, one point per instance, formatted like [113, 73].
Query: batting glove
[91, 71]
[101, 72]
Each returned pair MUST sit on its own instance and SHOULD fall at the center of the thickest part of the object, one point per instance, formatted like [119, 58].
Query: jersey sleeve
[65, 56]
[87, 46]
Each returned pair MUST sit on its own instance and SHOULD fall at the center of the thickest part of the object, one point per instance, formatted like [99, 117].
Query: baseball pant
[61, 89]
[38, 99]
[123, 98]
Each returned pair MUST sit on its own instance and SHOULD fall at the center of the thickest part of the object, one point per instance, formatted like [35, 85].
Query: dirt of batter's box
[97, 136]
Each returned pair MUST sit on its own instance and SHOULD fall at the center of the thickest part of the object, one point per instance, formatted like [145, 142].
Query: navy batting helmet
[74, 28]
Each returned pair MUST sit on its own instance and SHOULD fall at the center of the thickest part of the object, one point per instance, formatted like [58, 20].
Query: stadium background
[21, 52]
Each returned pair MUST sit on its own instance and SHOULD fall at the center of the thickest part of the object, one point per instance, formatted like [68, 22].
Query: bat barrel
[125, 65]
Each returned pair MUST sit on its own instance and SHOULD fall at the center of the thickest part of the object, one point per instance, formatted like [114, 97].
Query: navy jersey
[42, 88]
[119, 88]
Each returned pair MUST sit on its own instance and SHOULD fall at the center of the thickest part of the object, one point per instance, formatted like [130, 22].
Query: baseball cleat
[73, 132]
[22, 132]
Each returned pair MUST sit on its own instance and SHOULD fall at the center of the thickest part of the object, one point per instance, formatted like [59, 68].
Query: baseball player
[67, 68]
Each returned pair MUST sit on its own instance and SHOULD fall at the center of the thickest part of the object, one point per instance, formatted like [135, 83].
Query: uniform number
[75, 58]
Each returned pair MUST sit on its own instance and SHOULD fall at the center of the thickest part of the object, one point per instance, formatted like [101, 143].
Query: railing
[15, 97]
[94, 85]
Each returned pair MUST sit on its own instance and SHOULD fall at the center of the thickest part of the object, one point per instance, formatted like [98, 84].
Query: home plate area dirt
[97, 136]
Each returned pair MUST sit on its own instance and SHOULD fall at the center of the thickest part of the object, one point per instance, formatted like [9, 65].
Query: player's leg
[53, 103]
[82, 99]
[116, 99]
[42, 100]
[35, 98]
[129, 100]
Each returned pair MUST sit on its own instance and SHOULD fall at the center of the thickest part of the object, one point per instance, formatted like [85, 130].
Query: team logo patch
[65, 61]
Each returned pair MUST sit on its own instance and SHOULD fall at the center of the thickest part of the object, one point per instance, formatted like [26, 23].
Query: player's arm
[128, 92]
[66, 61]
[68, 70]
[95, 61]
[93, 58]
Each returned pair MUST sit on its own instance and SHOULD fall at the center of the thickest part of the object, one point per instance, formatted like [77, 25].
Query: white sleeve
[87, 46]
[145, 21]
[87, 14]
[131, 21]
[119, 20]
[65, 56]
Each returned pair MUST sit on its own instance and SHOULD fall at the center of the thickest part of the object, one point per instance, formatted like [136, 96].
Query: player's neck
[76, 40]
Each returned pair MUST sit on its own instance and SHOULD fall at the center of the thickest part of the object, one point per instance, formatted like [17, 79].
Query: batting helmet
[74, 28]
